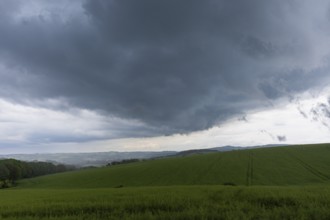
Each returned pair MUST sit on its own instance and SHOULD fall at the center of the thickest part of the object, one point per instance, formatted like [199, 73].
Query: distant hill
[230, 148]
[193, 152]
[227, 148]
[220, 149]
[88, 159]
[102, 158]
[291, 165]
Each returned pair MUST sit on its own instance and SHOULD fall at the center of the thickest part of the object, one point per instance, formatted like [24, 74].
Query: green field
[295, 165]
[173, 202]
[269, 183]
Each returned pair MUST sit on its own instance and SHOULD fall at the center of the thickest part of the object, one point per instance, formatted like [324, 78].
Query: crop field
[294, 165]
[269, 183]
[173, 202]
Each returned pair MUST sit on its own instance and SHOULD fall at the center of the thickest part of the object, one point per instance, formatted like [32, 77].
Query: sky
[113, 75]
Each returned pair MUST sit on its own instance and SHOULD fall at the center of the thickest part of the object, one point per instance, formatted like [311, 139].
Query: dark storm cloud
[281, 138]
[177, 66]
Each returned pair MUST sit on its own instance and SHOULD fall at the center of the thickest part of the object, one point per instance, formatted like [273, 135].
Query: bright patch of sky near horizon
[293, 121]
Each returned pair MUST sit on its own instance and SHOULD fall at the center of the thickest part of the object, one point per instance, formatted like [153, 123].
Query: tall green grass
[175, 202]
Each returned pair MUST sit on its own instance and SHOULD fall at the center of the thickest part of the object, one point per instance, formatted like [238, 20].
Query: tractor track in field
[310, 168]
[249, 172]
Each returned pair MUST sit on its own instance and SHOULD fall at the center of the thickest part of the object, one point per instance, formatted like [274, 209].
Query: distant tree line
[123, 162]
[12, 170]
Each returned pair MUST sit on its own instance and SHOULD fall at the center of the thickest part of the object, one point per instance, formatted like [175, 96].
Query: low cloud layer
[174, 66]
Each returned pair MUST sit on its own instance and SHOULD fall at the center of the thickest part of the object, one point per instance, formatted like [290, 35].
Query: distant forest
[12, 170]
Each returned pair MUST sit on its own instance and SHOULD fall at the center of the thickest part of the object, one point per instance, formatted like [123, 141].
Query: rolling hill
[292, 165]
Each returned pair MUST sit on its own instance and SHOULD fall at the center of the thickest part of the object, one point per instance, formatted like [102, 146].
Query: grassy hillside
[184, 188]
[294, 165]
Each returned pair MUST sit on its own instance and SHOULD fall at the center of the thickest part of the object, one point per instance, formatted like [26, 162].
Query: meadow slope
[273, 183]
[277, 166]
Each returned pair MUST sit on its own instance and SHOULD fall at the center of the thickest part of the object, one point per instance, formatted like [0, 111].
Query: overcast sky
[99, 75]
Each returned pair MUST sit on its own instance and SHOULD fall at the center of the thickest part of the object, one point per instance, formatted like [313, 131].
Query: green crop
[271, 183]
